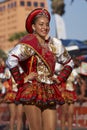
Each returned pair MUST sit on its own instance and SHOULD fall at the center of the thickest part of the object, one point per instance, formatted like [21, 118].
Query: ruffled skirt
[10, 97]
[41, 95]
[69, 96]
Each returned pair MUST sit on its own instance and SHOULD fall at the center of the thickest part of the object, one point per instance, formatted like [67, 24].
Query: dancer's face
[41, 26]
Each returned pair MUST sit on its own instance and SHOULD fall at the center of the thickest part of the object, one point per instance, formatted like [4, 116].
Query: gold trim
[39, 56]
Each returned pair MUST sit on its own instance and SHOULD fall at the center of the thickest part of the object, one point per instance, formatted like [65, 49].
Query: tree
[17, 36]
[3, 55]
[58, 7]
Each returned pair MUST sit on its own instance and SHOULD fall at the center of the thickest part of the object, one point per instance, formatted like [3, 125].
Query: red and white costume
[6, 83]
[69, 94]
[31, 56]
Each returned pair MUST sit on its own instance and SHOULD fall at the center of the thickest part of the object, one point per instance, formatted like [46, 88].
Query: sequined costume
[6, 84]
[69, 94]
[2, 79]
[11, 88]
[32, 57]
[8, 92]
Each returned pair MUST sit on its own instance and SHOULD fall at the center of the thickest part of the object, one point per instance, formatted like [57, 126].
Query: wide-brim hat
[33, 14]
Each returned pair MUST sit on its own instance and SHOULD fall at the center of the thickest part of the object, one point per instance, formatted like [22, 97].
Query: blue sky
[75, 19]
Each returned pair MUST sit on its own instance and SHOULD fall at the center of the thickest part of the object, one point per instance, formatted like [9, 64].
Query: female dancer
[70, 96]
[8, 94]
[38, 56]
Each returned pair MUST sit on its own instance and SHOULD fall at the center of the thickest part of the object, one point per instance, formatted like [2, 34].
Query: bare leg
[49, 118]
[70, 116]
[19, 116]
[69, 110]
[12, 109]
[33, 115]
[64, 109]
[24, 121]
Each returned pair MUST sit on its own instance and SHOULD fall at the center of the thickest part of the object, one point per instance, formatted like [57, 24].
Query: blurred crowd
[75, 92]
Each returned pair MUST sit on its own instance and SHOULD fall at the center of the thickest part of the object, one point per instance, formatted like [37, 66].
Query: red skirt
[9, 97]
[41, 95]
[69, 96]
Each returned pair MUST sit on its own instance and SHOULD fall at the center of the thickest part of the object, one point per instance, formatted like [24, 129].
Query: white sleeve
[62, 54]
[19, 53]
[2, 76]
[7, 73]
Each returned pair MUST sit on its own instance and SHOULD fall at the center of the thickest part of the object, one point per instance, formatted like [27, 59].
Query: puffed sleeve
[19, 53]
[2, 76]
[63, 57]
[6, 74]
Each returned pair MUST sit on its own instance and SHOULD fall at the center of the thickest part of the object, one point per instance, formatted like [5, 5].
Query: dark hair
[36, 17]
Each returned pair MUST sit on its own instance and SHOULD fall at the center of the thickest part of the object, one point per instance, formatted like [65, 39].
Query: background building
[13, 14]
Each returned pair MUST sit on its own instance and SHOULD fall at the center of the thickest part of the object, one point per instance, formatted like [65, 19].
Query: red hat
[33, 14]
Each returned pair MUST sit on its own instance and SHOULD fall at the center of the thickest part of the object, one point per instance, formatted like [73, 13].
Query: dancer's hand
[31, 76]
[55, 80]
